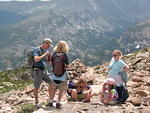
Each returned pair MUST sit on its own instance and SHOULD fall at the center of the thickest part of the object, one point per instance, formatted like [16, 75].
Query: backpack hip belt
[41, 67]
[60, 75]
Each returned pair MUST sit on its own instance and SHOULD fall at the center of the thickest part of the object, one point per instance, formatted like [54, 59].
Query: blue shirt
[116, 66]
[39, 52]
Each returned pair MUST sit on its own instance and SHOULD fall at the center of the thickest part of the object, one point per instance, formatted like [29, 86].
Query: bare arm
[38, 58]
[126, 68]
[67, 66]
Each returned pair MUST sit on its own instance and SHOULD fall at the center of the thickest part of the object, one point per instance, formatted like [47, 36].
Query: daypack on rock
[58, 60]
[122, 93]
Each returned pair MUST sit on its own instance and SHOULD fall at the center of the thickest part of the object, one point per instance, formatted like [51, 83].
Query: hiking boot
[58, 105]
[50, 104]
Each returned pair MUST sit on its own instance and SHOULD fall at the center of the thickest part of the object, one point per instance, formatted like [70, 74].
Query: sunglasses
[115, 55]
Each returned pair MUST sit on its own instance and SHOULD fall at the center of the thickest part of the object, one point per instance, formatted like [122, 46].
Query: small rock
[136, 102]
[7, 84]
[145, 103]
[147, 83]
[142, 93]
[136, 79]
[80, 112]
[1, 87]
[85, 109]
[5, 108]
[29, 89]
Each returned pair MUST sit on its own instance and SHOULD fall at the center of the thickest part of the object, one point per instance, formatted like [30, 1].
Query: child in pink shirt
[109, 94]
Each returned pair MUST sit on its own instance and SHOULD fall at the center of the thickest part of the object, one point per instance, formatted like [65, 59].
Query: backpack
[58, 60]
[124, 76]
[122, 93]
[30, 58]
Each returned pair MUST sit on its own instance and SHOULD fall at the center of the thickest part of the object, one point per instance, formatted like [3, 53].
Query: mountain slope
[10, 18]
[135, 38]
[13, 12]
[87, 26]
[132, 39]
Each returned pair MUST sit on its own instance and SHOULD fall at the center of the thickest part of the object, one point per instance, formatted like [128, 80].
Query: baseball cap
[110, 81]
[47, 40]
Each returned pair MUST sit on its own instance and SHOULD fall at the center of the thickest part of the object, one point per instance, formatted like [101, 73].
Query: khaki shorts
[39, 76]
[61, 86]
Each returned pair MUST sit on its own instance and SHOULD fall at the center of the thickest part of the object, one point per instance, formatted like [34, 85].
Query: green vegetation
[26, 108]
[11, 79]
[97, 67]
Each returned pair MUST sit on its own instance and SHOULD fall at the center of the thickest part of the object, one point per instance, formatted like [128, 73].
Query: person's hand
[47, 53]
[125, 69]
[67, 66]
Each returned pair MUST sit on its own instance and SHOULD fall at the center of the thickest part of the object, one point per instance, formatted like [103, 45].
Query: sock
[50, 100]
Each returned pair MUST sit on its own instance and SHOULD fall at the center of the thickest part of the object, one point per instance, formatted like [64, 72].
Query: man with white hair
[39, 71]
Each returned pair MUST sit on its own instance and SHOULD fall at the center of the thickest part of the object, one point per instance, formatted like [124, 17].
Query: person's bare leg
[74, 94]
[58, 104]
[52, 91]
[101, 96]
[60, 95]
[36, 95]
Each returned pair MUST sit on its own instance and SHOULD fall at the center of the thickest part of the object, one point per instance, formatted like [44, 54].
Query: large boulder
[76, 69]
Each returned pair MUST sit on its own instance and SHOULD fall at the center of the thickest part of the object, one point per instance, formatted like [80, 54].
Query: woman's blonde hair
[62, 46]
[118, 52]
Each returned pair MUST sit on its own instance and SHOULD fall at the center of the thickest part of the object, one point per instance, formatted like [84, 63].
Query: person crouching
[109, 94]
[79, 91]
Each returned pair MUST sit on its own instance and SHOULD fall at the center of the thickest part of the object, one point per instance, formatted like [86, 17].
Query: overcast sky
[19, 0]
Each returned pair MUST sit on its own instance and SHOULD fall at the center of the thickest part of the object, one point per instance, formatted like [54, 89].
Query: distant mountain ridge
[88, 26]
[132, 39]
[9, 18]
[135, 38]
[13, 12]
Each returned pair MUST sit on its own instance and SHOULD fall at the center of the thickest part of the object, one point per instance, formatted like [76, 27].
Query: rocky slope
[22, 100]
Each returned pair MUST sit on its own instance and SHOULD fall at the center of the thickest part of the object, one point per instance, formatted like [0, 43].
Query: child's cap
[110, 81]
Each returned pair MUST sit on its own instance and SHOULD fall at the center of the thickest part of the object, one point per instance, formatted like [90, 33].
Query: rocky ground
[138, 86]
